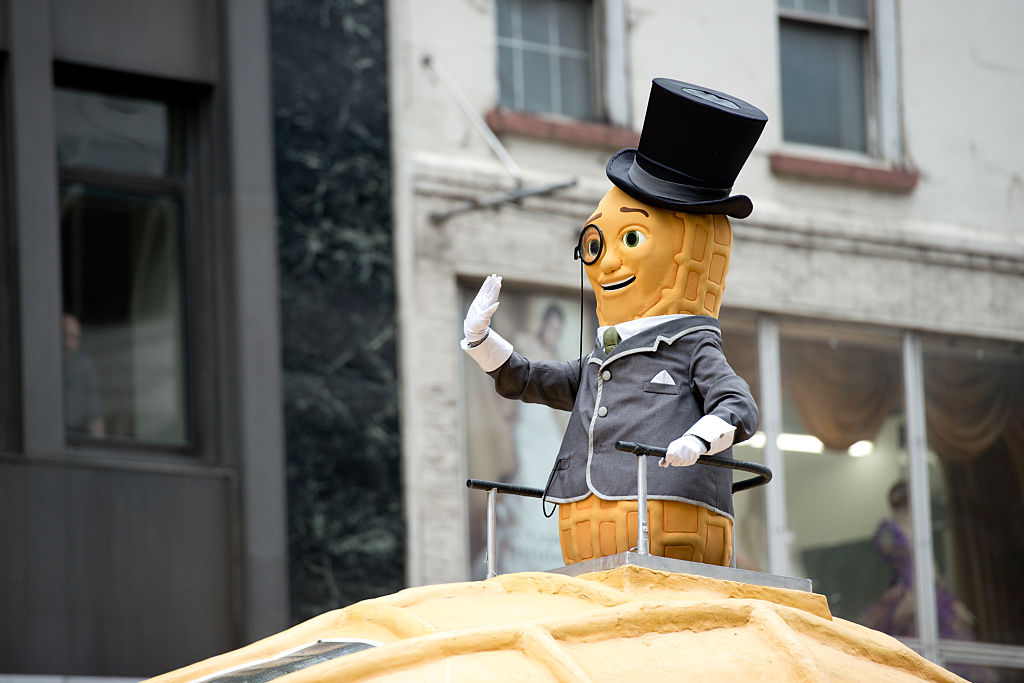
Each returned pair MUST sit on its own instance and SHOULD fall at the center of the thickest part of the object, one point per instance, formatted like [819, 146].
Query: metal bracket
[515, 195]
[496, 147]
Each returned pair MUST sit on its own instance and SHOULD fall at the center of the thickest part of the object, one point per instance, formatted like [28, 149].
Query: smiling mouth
[612, 286]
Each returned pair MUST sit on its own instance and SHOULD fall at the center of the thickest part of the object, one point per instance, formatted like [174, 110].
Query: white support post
[779, 536]
[616, 59]
[920, 513]
[492, 530]
[643, 538]
[887, 61]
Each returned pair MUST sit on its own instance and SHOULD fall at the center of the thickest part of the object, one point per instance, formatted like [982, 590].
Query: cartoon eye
[633, 238]
[593, 247]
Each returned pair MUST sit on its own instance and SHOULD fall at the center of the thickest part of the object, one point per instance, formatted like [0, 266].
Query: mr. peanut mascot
[656, 252]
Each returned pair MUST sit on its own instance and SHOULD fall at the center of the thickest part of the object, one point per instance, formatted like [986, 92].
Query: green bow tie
[610, 339]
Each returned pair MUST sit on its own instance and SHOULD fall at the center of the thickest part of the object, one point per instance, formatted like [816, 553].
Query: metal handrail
[763, 476]
[643, 546]
[514, 489]
[493, 488]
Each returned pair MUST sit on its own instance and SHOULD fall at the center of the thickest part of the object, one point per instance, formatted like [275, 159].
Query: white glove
[478, 318]
[683, 452]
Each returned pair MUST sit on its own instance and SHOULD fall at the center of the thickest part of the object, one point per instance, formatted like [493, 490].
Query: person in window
[83, 405]
[895, 611]
[656, 252]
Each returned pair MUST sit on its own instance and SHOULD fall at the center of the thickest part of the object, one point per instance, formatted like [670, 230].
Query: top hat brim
[668, 195]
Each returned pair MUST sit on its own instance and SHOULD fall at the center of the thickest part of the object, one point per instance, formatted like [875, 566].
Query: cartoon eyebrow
[626, 209]
[594, 217]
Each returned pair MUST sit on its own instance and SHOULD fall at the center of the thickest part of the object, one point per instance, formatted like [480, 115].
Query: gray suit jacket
[616, 400]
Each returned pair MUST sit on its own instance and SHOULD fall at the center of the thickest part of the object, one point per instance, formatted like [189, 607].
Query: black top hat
[692, 147]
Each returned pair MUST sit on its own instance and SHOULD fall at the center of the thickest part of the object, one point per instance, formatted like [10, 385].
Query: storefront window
[515, 442]
[122, 222]
[974, 405]
[846, 472]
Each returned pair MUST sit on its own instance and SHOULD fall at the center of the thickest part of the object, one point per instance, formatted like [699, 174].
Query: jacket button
[602, 411]
[606, 375]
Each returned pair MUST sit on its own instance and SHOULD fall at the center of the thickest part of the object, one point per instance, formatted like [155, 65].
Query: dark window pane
[536, 21]
[823, 101]
[820, 6]
[552, 72]
[537, 81]
[574, 24]
[575, 91]
[123, 284]
[974, 401]
[119, 134]
[506, 77]
[856, 9]
[985, 673]
[505, 18]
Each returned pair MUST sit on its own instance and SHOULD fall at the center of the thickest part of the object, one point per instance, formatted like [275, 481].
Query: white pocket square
[663, 378]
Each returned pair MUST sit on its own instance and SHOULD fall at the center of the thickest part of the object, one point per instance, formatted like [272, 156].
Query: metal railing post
[643, 539]
[492, 545]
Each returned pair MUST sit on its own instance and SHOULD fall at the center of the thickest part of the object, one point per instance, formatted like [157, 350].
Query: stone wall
[346, 532]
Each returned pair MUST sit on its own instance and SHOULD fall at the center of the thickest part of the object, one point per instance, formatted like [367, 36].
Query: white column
[616, 83]
[920, 511]
[779, 536]
[410, 412]
[887, 60]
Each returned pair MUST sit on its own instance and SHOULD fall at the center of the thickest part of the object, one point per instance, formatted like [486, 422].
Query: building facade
[199, 437]
[872, 295]
[142, 470]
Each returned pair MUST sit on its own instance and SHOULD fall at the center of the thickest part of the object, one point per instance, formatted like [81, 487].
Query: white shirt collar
[633, 327]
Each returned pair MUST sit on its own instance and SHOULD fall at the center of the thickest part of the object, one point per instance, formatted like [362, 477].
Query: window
[545, 57]
[848, 454]
[9, 375]
[564, 57]
[974, 404]
[825, 55]
[122, 168]
[846, 469]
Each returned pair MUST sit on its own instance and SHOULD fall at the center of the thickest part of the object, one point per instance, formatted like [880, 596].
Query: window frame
[10, 362]
[608, 72]
[867, 27]
[190, 102]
